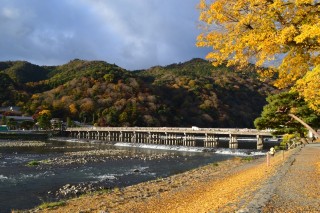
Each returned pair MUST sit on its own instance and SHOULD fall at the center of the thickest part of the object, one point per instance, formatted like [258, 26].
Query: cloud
[133, 34]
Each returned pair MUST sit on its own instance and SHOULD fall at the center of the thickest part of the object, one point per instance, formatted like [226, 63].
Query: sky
[134, 34]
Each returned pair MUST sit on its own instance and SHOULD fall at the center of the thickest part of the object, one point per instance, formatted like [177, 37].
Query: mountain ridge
[184, 94]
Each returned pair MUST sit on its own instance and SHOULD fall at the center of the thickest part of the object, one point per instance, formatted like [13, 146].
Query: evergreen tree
[69, 122]
[276, 114]
[44, 121]
[4, 120]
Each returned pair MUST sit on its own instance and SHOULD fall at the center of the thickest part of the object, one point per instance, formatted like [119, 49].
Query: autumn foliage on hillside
[184, 94]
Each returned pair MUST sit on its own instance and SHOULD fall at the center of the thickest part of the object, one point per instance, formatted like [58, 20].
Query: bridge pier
[259, 142]
[233, 143]
[155, 138]
[188, 140]
[81, 135]
[134, 138]
[88, 135]
[98, 135]
[210, 141]
[108, 137]
[137, 137]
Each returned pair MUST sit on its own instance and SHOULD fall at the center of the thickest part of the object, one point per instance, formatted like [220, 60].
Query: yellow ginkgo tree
[309, 88]
[281, 37]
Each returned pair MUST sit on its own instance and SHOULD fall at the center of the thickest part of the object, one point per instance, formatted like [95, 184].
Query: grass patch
[33, 163]
[98, 192]
[102, 191]
[116, 190]
[248, 159]
[214, 164]
[50, 205]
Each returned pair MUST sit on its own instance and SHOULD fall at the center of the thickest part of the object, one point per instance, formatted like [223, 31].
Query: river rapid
[35, 172]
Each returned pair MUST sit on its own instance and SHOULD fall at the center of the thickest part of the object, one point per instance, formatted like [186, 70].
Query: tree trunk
[305, 125]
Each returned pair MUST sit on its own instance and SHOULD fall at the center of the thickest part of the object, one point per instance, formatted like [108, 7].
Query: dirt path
[299, 190]
[236, 192]
[225, 187]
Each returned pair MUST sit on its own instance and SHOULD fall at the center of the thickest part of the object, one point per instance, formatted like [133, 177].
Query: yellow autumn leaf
[283, 33]
[309, 88]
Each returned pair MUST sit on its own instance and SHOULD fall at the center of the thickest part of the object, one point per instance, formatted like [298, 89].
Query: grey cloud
[133, 34]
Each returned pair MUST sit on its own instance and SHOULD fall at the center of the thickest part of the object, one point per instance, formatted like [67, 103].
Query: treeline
[95, 92]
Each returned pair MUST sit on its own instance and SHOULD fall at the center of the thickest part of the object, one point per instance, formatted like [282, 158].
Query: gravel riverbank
[89, 156]
[228, 186]
[289, 184]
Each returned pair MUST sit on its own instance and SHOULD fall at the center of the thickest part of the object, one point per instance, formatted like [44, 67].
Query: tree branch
[305, 125]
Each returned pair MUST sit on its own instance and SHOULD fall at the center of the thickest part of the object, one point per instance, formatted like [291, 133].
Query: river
[60, 166]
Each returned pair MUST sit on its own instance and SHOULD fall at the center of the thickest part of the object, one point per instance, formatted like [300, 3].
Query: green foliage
[33, 163]
[283, 145]
[4, 120]
[12, 124]
[27, 124]
[248, 159]
[88, 69]
[44, 121]
[69, 122]
[214, 164]
[23, 72]
[275, 114]
[8, 90]
[277, 148]
[288, 137]
[108, 77]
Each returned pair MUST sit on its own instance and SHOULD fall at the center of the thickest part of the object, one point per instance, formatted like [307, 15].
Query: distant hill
[23, 72]
[208, 96]
[193, 93]
[81, 68]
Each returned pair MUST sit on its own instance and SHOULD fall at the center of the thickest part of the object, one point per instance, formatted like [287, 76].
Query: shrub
[33, 163]
[249, 158]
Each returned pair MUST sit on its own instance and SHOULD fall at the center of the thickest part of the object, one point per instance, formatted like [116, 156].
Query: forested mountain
[184, 94]
[197, 93]
[23, 72]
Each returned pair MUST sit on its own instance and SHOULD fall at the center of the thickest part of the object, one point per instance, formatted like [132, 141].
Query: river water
[24, 187]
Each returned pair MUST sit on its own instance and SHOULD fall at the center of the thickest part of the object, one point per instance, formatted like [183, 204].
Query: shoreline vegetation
[24, 143]
[227, 186]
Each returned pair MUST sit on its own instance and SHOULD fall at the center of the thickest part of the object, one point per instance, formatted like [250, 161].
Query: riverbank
[24, 135]
[24, 143]
[219, 187]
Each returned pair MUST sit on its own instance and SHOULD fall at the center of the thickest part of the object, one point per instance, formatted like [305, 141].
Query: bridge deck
[207, 137]
[216, 131]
